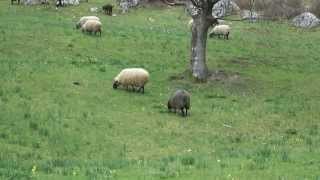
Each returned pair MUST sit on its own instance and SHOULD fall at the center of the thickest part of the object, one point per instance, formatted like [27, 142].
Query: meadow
[258, 118]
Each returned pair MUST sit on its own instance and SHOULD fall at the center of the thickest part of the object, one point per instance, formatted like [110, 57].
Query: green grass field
[260, 120]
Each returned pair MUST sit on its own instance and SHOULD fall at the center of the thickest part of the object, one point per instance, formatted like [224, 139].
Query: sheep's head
[169, 105]
[115, 84]
[78, 25]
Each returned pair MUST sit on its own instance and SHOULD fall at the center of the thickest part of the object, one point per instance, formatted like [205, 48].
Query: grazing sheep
[107, 9]
[134, 77]
[213, 21]
[18, 1]
[190, 23]
[180, 100]
[218, 30]
[84, 19]
[92, 26]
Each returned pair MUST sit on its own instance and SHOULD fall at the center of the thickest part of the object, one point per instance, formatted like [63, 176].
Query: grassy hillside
[257, 119]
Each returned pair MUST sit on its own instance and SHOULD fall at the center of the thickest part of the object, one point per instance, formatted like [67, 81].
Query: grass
[61, 119]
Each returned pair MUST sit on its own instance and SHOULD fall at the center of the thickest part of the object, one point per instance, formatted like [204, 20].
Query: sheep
[107, 9]
[18, 1]
[218, 30]
[92, 26]
[190, 23]
[180, 100]
[134, 77]
[84, 19]
[212, 21]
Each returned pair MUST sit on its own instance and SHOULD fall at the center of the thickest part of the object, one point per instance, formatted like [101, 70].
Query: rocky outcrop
[306, 20]
[250, 15]
[64, 2]
[224, 7]
[126, 4]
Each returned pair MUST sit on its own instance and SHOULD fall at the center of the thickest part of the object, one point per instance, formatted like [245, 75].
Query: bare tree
[201, 13]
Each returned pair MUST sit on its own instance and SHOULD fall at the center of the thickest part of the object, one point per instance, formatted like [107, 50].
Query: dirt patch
[233, 82]
[223, 76]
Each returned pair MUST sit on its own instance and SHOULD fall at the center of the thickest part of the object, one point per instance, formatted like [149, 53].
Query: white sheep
[190, 23]
[219, 30]
[213, 21]
[134, 77]
[84, 19]
[92, 26]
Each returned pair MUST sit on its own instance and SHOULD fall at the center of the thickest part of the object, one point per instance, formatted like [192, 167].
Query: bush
[275, 9]
[315, 7]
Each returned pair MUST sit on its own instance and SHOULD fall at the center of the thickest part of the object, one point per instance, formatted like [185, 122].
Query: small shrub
[187, 160]
[33, 126]
[284, 156]
[275, 9]
[315, 7]
[283, 9]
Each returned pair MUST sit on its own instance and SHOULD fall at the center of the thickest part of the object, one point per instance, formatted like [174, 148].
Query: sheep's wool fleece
[84, 19]
[92, 25]
[221, 29]
[133, 76]
[179, 99]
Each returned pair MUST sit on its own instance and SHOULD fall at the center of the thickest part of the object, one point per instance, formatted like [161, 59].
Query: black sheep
[107, 9]
[180, 100]
[18, 1]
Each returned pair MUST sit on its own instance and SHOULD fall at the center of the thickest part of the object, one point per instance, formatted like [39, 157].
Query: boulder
[94, 9]
[224, 7]
[72, 2]
[31, 2]
[248, 15]
[306, 20]
[126, 4]
[64, 2]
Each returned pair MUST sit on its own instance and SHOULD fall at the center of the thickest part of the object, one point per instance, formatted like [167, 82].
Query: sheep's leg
[227, 36]
[142, 89]
[182, 111]
[186, 112]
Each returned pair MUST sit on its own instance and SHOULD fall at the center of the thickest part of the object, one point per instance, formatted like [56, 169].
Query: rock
[224, 7]
[31, 2]
[248, 15]
[72, 2]
[94, 9]
[64, 2]
[126, 4]
[306, 20]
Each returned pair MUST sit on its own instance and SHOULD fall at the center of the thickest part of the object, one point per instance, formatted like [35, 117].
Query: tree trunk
[198, 64]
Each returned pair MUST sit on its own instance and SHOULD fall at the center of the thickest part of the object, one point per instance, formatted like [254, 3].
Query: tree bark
[201, 13]
[198, 64]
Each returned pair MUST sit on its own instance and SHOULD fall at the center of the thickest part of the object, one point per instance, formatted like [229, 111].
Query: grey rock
[94, 9]
[126, 4]
[248, 15]
[224, 7]
[65, 2]
[306, 20]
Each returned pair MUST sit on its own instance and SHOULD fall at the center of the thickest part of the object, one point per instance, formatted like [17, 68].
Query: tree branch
[195, 3]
